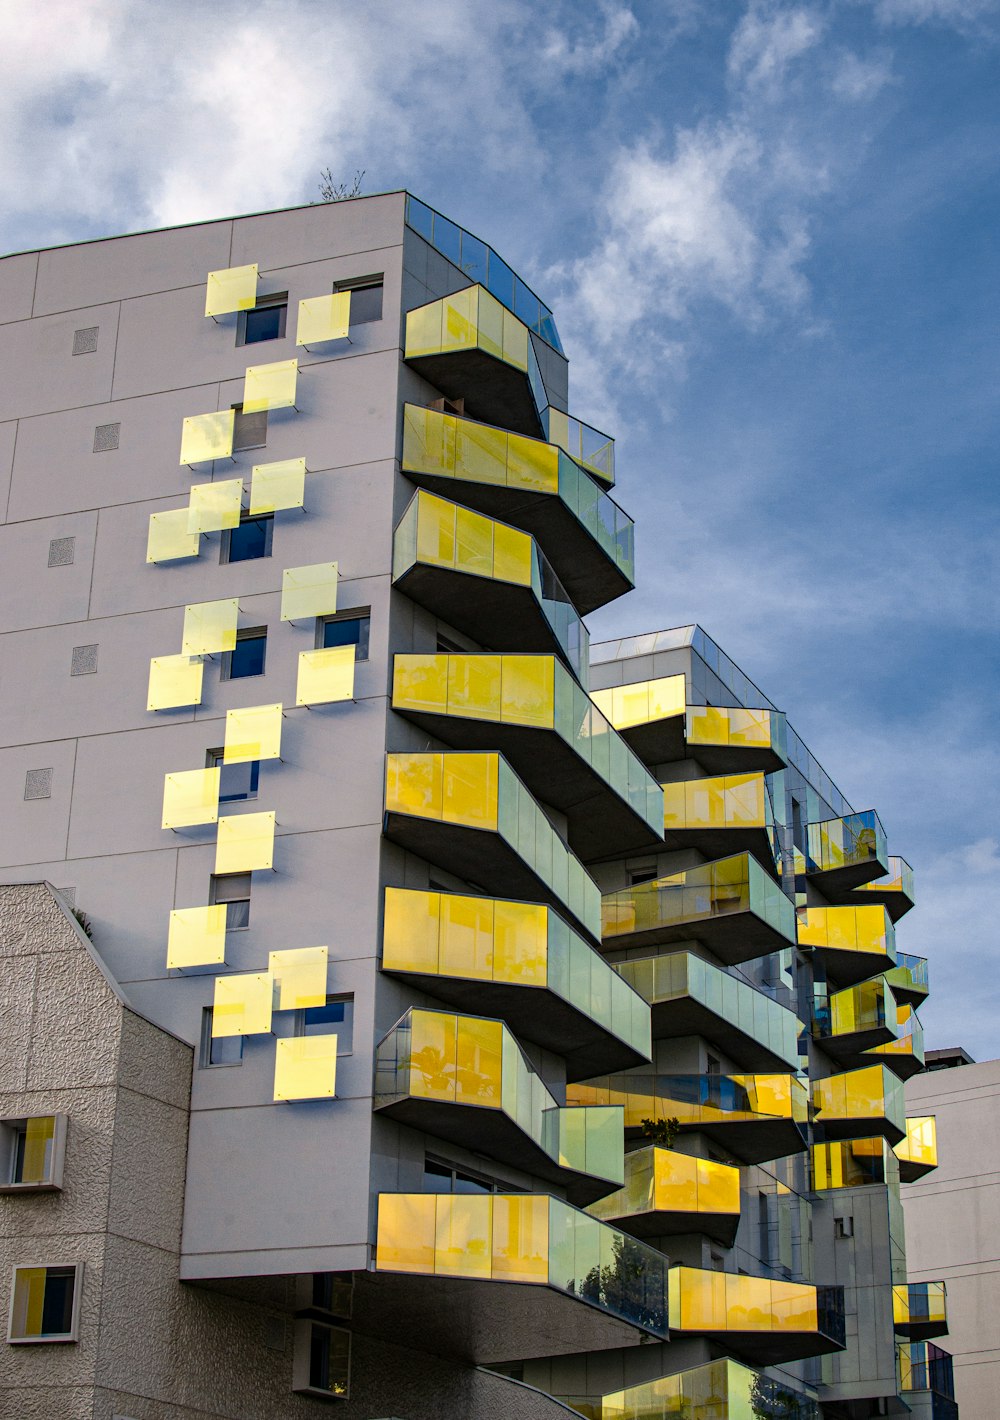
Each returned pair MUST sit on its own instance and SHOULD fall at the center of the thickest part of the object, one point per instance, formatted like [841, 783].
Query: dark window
[249, 430]
[366, 299]
[349, 628]
[335, 1018]
[265, 322]
[333, 1292]
[442, 1177]
[641, 875]
[234, 890]
[55, 1288]
[237, 782]
[248, 657]
[250, 540]
[329, 1359]
[218, 1050]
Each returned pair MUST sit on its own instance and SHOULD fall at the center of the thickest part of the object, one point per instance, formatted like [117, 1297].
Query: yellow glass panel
[423, 330]
[174, 681]
[38, 1135]
[708, 725]
[205, 437]
[246, 843]
[406, 1229]
[275, 486]
[325, 676]
[435, 530]
[210, 627]
[473, 685]
[473, 542]
[463, 1235]
[512, 559]
[29, 1301]
[433, 1060]
[323, 318]
[413, 784]
[270, 386]
[420, 682]
[666, 697]
[920, 1144]
[169, 538]
[466, 936]
[305, 1067]
[528, 690]
[429, 441]
[410, 930]
[718, 1187]
[190, 796]
[300, 975]
[459, 320]
[469, 789]
[197, 936]
[674, 808]
[478, 1068]
[234, 289]
[309, 591]
[480, 452]
[515, 339]
[532, 464]
[253, 733]
[520, 943]
[242, 1004]
[215, 506]
[521, 1237]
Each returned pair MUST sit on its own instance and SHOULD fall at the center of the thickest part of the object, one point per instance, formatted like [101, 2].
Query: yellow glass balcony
[471, 814]
[252, 733]
[169, 539]
[309, 591]
[771, 1320]
[245, 843]
[909, 979]
[522, 962]
[719, 1390]
[860, 1103]
[305, 1068]
[601, 1284]
[845, 853]
[852, 1163]
[243, 1004]
[270, 386]
[755, 1118]
[466, 1079]
[534, 485]
[325, 676]
[234, 289]
[667, 1192]
[197, 936]
[905, 1054]
[690, 996]
[275, 487]
[732, 905]
[210, 627]
[324, 318]
[894, 891]
[533, 711]
[917, 1153]
[585, 445]
[190, 796]
[214, 506]
[299, 975]
[852, 942]
[920, 1310]
[206, 437]
[174, 681]
[860, 1017]
[438, 545]
[726, 814]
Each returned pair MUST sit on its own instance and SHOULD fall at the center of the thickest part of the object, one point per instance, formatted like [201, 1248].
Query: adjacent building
[409, 1007]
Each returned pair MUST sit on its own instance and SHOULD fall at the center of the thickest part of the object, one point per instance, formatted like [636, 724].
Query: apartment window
[332, 1292]
[265, 322]
[249, 430]
[366, 298]
[843, 1227]
[45, 1303]
[641, 875]
[442, 1177]
[335, 1018]
[247, 659]
[234, 890]
[252, 539]
[347, 628]
[321, 1363]
[218, 1049]
[31, 1152]
[237, 782]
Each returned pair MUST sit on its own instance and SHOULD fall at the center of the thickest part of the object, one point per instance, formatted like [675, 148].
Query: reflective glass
[308, 591]
[190, 796]
[234, 289]
[250, 540]
[270, 386]
[197, 936]
[169, 538]
[245, 843]
[323, 318]
[305, 1067]
[174, 681]
[205, 437]
[277, 486]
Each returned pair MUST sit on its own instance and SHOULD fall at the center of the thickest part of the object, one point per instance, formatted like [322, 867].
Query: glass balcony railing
[435, 535]
[853, 942]
[586, 446]
[851, 1163]
[719, 1390]
[665, 1192]
[690, 996]
[853, 848]
[726, 1304]
[644, 702]
[895, 890]
[917, 1153]
[533, 692]
[478, 456]
[925, 1367]
[920, 1310]
[484, 940]
[709, 902]
[527, 1238]
[736, 728]
[905, 1054]
[909, 979]
[860, 1103]
[860, 1017]
[732, 801]
[480, 792]
[445, 1059]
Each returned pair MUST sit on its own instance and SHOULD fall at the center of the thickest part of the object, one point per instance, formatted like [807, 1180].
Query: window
[237, 782]
[335, 1018]
[322, 1360]
[266, 321]
[347, 628]
[234, 890]
[31, 1153]
[714, 1066]
[446, 644]
[250, 540]
[366, 298]
[249, 430]
[641, 875]
[443, 1177]
[248, 657]
[45, 1303]
[843, 1227]
[218, 1050]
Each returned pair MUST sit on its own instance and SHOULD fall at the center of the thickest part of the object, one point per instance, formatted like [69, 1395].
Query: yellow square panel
[305, 1067]
[252, 733]
[274, 486]
[197, 936]
[309, 591]
[174, 681]
[214, 506]
[242, 1004]
[301, 977]
[169, 537]
[324, 318]
[234, 289]
[190, 796]
[210, 627]
[270, 386]
[208, 436]
[325, 676]
[246, 843]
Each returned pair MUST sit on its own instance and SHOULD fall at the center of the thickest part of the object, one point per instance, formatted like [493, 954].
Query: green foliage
[661, 1131]
[84, 922]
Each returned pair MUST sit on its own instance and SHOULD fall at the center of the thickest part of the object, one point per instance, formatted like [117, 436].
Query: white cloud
[766, 42]
[565, 55]
[857, 78]
[951, 12]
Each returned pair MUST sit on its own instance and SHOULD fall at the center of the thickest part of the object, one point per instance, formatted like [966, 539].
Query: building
[953, 1216]
[532, 1010]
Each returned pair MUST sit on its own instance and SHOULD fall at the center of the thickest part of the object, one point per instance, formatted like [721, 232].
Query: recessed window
[335, 1018]
[247, 658]
[265, 322]
[252, 539]
[347, 628]
[234, 890]
[442, 1177]
[249, 430]
[322, 1360]
[45, 1303]
[333, 1292]
[641, 875]
[844, 1227]
[31, 1152]
[366, 298]
[218, 1049]
[237, 782]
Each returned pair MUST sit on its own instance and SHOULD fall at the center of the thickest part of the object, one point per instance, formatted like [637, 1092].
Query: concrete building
[953, 1217]
[457, 1019]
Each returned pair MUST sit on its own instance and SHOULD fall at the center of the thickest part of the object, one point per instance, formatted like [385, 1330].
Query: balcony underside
[903, 1065]
[772, 1348]
[590, 578]
[482, 1322]
[910, 1170]
[534, 1014]
[849, 967]
[750, 1141]
[722, 842]
[852, 1046]
[733, 937]
[494, 391]
[500, 616]
[665, 742]
[831, 1131]
[654, 1223]
[907, 993]
[685, 1016]
[895, 902]
[918, 1330]
[837, 884]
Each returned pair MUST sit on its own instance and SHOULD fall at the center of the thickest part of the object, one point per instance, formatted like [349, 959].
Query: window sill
[30, 1188]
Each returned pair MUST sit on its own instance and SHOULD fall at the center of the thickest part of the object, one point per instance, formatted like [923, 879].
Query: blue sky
[769, 234]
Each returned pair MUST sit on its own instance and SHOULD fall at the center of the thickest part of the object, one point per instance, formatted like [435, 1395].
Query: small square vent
[85, 341]
[62, 551]
[106, 438]
[84, 660]
[38, 784]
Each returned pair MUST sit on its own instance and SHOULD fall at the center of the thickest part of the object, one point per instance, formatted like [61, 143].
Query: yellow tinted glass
[300, 974]
[190, 796]
[274, 486]
[169, 538]
[215, 506]
[246, 843]
[210, 627]
[305, 1067]
[207, 436]
[197, 936]
[253, 733]
[234, 289]
[174, 681]
[309, 591]
[406, 1228]
[270, 386]
[324, 318]
[325, 676]
[242, 1004]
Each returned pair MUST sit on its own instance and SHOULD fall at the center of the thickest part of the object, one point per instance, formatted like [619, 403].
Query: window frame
[264, 303]
[376, 279]
[11, 1130]
[357, 613]
[214, 760]
[226, 541]
[260, 415]
[205, 1061]
[302, 1358]
[332, 998]
[215, 900]
[53, 1338]
[252, 633]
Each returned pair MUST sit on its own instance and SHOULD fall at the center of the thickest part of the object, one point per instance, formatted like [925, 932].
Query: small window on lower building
[248, 657]
[843, 1227]
[366, 298]
[234, 890]
[237, 782]
[218, 1049]
[31, 1152]
[322, 1360]
[252, 539]
[266, 321]
[335, 1018]
[347, 628]
[46, 1303]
